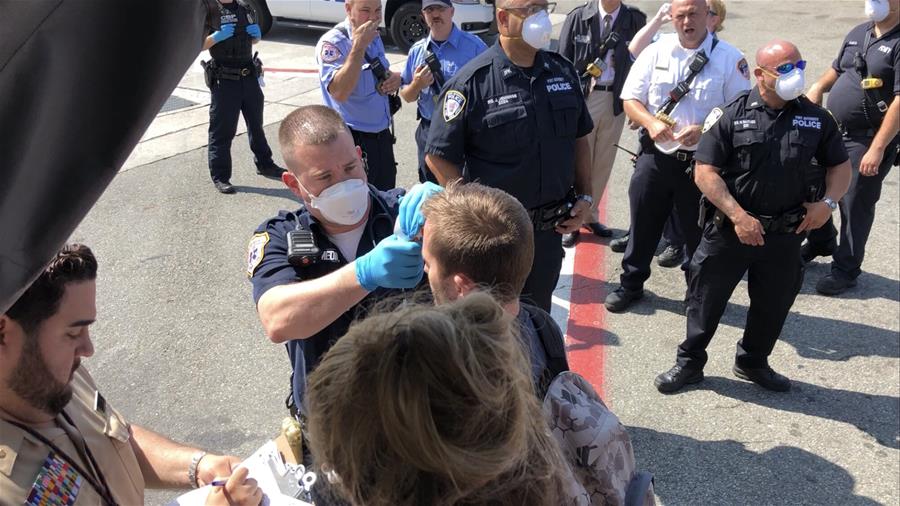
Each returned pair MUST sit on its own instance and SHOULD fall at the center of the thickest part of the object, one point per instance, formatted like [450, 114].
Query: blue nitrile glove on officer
[226, 31]
[254, 31]
[409, 219]
[393, 263]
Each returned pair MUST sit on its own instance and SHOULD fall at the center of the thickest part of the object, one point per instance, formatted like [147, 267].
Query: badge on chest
[57, 484]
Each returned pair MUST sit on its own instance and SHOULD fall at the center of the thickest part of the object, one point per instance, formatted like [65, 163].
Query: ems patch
[57, 484]
[454, 102]
[712, 118]
[256, 250]
[329, 53]
[744, 68]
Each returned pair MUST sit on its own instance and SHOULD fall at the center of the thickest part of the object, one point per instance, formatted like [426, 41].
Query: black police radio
[434, 65]
[302, 250]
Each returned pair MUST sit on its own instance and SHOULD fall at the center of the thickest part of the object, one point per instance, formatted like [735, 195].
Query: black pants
[857, 211]
[421, 139]
[774, 276]
[230, 98]
[378, 149]
[659, 181]
[672, 231]
[548, 256]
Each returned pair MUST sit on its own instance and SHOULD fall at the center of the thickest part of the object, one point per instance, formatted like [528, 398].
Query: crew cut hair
[310, 125]
[483, 233]
[73, 263]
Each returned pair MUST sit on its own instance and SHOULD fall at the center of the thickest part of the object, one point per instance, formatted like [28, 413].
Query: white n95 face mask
[344, 203]
[791, 85]
[877, 10]
[537, 30]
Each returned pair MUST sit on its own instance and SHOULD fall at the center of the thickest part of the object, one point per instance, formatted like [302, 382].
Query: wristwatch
[830, 203]
[587, 198]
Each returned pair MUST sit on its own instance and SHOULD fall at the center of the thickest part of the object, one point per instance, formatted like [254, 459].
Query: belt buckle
[681, 156]
[245, 72]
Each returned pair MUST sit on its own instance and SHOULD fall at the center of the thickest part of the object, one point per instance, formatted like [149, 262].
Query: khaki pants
[607, 130]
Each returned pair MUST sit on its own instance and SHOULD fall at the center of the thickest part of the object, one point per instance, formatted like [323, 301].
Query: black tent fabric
[80, 82]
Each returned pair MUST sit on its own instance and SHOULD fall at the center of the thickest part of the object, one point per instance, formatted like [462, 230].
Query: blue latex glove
[393, 263]
[226, 31]
[410, 219]
[254, 31]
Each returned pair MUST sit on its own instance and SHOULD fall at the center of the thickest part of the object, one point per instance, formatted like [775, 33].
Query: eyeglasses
[786, 68]
[531, 10]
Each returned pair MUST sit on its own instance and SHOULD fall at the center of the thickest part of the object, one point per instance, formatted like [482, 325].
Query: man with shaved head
[763, 194]
[671, 87]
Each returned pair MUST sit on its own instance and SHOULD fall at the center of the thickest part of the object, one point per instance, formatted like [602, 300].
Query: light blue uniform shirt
[365, 110]
[456, 51]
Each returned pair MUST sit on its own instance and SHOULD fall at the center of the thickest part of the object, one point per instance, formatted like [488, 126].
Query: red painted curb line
[585, 329]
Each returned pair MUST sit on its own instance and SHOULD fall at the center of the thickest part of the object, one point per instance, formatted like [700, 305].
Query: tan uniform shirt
[25, 468]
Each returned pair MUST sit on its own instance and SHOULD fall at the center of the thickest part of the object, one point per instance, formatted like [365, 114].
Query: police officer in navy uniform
[609, 24]
[514, 118]
[317, 269]
[754, 165]
[670, 134]
[234, 79]
[450, 48]
[356, 80]
[864, 81]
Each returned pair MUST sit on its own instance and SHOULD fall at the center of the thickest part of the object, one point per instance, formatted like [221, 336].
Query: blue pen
[218, 483]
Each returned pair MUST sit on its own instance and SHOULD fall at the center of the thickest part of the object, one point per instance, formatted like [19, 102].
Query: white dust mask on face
[344, 203]
[537, 30]
[877, 10]
[791, 85]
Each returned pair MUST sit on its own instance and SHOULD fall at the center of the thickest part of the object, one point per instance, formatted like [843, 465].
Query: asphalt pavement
[179, 348]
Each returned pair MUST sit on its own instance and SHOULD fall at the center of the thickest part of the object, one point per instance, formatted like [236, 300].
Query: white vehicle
[402, 19]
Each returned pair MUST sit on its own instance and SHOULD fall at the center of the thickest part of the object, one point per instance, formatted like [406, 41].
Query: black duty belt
[233, 73]
[603, 87]
[783, 223]
[866, 132]
[372, 135]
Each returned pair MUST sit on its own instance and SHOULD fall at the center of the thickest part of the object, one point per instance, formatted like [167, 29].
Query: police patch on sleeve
[712, 118]
[256, 250]
[744, 68]
[329, 53]
[454, 102]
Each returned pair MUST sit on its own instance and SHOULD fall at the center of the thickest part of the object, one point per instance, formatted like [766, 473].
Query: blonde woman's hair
[718, 6]
[433, 405]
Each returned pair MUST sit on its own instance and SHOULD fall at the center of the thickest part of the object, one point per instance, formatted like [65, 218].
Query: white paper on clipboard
[258, 465]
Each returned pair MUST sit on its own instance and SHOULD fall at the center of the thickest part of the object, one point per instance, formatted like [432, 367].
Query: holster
[549, 216]
[706, 212]
[257, 65]
[394, 103]
[814, 181]
[209, 73]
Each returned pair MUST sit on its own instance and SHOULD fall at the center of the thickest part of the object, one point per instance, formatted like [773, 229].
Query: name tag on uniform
[504, 100]
[584, 39]
[744, 124]
[57, 484]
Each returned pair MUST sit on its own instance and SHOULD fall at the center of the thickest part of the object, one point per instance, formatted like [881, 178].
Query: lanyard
[101, 487]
